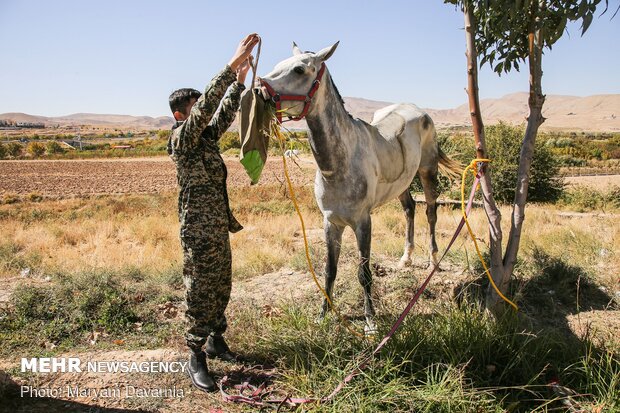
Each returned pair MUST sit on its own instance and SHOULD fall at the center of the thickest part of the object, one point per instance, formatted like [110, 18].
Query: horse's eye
[299, 70]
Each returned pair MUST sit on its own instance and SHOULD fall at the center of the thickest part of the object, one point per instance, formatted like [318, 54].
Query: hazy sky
[125, 57]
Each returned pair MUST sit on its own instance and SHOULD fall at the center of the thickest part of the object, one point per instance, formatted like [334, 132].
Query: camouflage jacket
[201, 172]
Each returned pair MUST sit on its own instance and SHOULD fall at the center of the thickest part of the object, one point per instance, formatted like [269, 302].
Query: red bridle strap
[277, 98]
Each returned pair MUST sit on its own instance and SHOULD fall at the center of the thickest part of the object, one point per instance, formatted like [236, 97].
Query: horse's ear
[296, 50]
[327, 52]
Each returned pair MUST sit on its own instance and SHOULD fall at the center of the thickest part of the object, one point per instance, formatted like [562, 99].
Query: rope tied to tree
[476, 170]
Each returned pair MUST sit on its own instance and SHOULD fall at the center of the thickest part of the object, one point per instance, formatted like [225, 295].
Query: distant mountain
[592, 113]
[93, 119]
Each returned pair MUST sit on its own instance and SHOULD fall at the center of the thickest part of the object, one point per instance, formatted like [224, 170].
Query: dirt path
[600, 183]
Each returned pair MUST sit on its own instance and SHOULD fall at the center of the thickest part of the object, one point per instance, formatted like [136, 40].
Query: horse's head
[294, 84]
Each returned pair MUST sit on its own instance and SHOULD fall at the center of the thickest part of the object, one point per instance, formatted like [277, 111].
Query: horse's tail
[449, 167]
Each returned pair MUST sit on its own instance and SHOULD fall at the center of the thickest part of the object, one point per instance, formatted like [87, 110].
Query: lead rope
[275, 129]
[258, 395]
[277, 133]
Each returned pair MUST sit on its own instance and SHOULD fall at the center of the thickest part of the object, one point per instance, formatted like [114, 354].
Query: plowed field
[124, 176]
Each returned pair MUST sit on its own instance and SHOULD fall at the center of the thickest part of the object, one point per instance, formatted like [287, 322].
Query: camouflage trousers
[207, 274]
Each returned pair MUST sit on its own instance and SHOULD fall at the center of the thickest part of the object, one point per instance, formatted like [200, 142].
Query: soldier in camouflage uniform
[204, 212]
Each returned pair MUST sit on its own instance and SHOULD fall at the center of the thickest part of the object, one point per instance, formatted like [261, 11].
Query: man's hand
[244, 68]
[243, 51]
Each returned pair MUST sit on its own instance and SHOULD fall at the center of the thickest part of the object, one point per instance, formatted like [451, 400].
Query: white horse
[360, 166]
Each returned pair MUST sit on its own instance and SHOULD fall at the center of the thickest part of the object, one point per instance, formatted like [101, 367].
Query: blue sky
[125, 57]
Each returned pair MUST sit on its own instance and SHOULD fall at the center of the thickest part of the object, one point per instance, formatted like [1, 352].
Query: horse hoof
[370, 329]
[432, 265]
[404, 263]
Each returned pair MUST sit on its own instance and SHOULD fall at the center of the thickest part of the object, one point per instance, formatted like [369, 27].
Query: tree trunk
[500, 276]
[535, 119]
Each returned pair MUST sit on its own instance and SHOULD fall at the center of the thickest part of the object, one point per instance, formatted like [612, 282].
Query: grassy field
[100, 277]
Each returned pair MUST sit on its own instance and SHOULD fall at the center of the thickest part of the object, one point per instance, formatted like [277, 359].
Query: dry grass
[136, 231]
[439, 359]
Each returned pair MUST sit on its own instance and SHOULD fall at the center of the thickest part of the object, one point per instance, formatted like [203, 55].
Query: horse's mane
[339, 96]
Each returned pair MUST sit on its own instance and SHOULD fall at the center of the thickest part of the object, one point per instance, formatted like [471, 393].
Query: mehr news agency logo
[75, 365]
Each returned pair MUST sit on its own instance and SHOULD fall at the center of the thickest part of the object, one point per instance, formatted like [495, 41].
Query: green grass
[455, 360]
[584, 199]
[66, 312]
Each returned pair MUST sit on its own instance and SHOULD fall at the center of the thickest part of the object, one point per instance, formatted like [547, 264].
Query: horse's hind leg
[363, 235]
[409, 206]
[333, 238]
[431, 192]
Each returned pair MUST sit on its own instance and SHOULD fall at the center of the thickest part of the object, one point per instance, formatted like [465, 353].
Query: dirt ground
[60, 179]
[601, 182]
[124, 391]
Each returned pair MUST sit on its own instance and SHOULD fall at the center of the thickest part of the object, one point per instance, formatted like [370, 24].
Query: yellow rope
[275, 128]
[473, 168]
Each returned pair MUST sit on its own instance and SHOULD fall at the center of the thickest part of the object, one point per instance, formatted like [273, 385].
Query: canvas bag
[254, 133]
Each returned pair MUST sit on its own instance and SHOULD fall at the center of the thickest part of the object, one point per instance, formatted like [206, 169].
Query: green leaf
[587, 20]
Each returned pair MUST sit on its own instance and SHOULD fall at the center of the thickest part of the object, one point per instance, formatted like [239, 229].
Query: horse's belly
[385, 192]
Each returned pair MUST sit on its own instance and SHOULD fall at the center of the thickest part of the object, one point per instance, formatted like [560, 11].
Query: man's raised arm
[203, 110]
[230, 104]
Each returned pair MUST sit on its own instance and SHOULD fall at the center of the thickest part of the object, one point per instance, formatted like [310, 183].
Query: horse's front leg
[333, 239]
[363, 235]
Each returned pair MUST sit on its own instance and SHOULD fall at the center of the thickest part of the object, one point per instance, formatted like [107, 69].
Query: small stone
[25, 272]
[551, 292]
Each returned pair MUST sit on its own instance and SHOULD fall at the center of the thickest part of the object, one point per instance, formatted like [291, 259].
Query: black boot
[217, 347]
[199, 372]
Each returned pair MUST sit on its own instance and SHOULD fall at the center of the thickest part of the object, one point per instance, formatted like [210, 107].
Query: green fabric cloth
[253, 163]
[254, 133]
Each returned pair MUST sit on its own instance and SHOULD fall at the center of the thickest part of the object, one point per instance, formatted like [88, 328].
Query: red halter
[278, 98]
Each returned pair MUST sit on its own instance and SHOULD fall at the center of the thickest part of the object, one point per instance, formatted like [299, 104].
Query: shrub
[504, 147]
[81, 304]
[35, 149]
[230, 140]
[34, 197]
[53, 147]
[14, 150]
[3, 151]
[583, 198]
[9, 198]
[163, 134]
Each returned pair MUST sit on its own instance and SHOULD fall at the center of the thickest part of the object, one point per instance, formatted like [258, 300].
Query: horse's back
[385, 118]
[397, 140]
